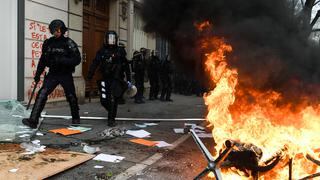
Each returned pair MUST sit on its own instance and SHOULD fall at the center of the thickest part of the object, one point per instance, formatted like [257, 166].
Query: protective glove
[129, 84]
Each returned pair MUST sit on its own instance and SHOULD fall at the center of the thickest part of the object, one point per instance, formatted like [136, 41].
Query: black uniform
[153, 73]
[139, 65]
[113, 65]
[61, 55]
[166, 80]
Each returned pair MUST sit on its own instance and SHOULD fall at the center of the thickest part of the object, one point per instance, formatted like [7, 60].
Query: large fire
[273, 128]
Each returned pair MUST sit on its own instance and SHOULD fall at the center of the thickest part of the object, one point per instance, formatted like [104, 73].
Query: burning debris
[247, 158]
[265, 75]
[244, 159]
[241, 156]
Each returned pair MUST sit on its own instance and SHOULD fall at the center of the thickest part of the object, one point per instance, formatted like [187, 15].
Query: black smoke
[270, 48]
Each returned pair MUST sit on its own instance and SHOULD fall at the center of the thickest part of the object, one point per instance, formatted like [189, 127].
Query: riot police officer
[113, 65]
[139, 65]
[61, 55]
[153, 73]
[166, 71]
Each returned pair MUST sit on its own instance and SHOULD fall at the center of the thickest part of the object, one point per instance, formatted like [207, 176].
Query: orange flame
[261, 121]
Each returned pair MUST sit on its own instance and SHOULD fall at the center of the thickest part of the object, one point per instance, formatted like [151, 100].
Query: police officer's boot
[168, 96]
[163, 92]
[111, 119]
[112, 123]
[38, 106]
[73, 102]
[112, 113]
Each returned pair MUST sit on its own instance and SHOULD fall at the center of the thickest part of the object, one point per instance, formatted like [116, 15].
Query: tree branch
[315, 19]
[316, 3]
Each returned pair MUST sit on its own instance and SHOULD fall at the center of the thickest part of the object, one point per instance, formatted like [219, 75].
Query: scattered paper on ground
[144, 125]
[13, 170]
[82, 129]
[39, 165]
[162, 144]
[138, 133]
[91, 149]
[194, 126]
[36, 141]
[108, 158]
[141, 125]
[32, 147]
[24, 135]
[65, 131]
[98, 167]
[39, 134]
[144, 142]
[150, 124]
[178, 130]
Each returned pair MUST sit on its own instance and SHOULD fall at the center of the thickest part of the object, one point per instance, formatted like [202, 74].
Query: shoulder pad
[72, 45]
[45, 42]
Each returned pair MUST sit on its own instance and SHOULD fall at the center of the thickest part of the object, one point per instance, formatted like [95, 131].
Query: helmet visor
[112, 39]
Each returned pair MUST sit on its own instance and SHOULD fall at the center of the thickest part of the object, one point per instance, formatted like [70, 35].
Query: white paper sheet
[98, 167]
[141, 125]
[108, 158]
[162, 144]
[13, 170]
[82, 129]
[138, 133]
[36, 141]
[144, 125]
[151, 124]
[178, 130]
[39, 134]
[24, 135]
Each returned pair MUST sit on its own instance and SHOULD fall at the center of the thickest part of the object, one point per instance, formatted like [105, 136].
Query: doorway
[95, 24]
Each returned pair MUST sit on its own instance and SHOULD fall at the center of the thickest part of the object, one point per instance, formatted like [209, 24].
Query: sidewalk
[136, 156]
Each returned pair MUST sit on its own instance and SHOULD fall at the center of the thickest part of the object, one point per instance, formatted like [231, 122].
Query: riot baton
[34, 89]
[32, 94]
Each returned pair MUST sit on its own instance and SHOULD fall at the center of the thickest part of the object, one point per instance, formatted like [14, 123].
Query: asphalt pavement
[183, 160]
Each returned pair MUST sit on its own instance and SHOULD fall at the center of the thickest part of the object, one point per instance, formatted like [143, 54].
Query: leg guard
[37, 109]
[73, 102]
[113, 112]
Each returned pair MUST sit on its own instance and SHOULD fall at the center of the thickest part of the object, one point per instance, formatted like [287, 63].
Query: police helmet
[111, 38]
[57, 24]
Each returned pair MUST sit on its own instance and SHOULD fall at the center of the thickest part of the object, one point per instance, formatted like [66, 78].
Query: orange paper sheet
[144, 142]
[65, 131]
